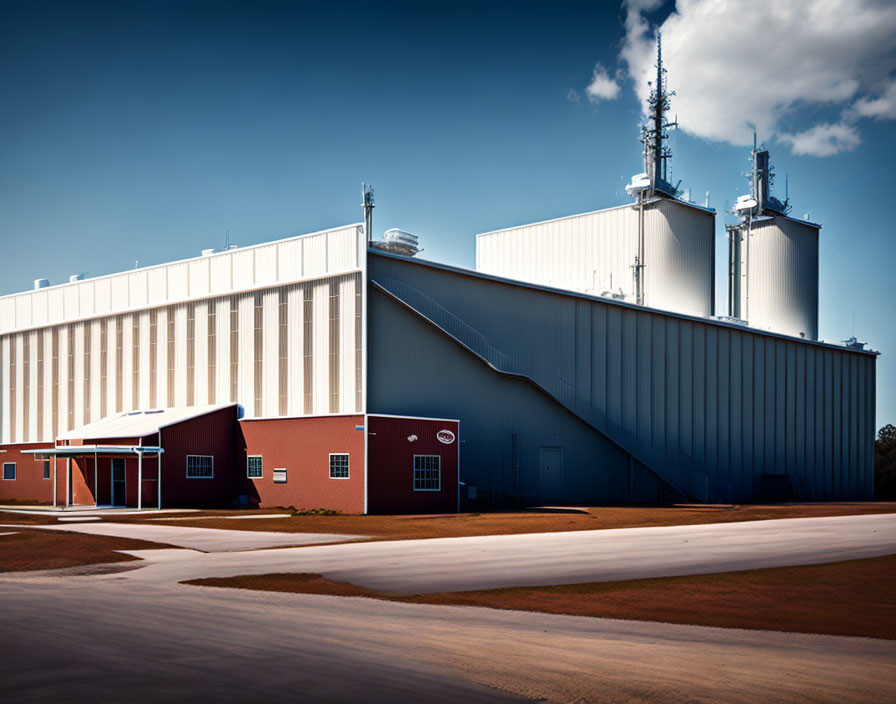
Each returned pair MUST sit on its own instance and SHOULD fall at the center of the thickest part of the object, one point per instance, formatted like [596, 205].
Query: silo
[778, 270]
[773, 261]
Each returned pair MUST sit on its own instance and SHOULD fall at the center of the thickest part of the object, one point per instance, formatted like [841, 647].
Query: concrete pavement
[203, 539]
[485, 562]
[87, 639]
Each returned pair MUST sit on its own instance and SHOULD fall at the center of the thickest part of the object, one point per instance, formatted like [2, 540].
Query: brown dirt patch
[853, 598]
[502, 523]
[45, 549]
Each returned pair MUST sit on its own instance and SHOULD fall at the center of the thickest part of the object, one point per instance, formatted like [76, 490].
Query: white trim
[414, 473]
[301, 417]
[386, 415]
[330, 464]
[187, 467]
[253, 476]
[14, 471]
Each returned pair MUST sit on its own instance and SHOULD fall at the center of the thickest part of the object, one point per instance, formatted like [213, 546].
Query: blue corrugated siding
[741, 402]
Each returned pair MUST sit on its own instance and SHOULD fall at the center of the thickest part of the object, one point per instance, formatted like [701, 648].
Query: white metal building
[596, 253]
[275, 327]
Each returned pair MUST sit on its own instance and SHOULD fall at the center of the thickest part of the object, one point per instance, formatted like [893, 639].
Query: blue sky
[146, 131]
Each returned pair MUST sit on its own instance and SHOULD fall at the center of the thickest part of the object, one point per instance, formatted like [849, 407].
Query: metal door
[119, 483]
[550, 473]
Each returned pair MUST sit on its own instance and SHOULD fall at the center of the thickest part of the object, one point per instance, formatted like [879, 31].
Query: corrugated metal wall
[594, 253]
[739, 403]
[245, 347]
[780, 277]
[303, 257]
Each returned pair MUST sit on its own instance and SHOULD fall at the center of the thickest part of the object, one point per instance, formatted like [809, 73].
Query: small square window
[427, 473]
[339, 466]
[279, 475]
[200, 467]
[254, 467]
[9, 471]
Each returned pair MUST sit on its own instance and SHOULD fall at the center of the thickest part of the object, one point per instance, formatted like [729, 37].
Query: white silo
[773, 261]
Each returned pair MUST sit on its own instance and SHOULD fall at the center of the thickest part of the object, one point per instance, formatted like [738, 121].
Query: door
[550, 474]
[119, 484]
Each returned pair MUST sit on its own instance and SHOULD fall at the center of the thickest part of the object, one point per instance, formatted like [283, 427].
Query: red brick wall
[390, 466]
[212, 434]
[29, 484]
[303, 447]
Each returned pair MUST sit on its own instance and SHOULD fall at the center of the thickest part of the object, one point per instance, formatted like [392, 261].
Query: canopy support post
[96, 486]
[139, 479]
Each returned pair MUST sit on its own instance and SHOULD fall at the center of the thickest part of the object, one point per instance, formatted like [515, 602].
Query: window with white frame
[254, 467]
[9, 471]
[427, 473]
[339, 466]
[200, 466]
[279, 475]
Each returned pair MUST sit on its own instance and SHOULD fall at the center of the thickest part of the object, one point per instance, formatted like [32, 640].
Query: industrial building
[581, 362]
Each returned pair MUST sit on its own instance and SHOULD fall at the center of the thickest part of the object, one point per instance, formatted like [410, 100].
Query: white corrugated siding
[780, 269]
[340, 250]
[346, 284]
[594, 253]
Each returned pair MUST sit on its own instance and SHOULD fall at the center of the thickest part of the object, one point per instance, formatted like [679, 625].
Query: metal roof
[81, 450]
[613, 302]
[678, 201]
[138, 424]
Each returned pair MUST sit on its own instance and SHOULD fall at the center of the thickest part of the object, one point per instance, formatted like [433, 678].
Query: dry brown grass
[853, 598]
[501, 523]
[44, 549]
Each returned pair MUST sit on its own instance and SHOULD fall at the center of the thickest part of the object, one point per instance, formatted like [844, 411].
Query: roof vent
[398, 242]
[77, 277]
[41, 283]
[208, 252]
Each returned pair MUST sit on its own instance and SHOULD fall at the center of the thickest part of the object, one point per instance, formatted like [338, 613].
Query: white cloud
[823, 140]
[602, 87]
[573, 96]
[737, 65]
[882, 107]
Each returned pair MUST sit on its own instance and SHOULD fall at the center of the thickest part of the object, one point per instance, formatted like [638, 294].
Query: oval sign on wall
[446, 437]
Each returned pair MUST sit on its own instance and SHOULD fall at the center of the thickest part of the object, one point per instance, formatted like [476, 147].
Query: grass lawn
[499, 523]
[44, 549]
[852, 598]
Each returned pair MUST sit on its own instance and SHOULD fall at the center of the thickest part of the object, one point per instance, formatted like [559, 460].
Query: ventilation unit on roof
[398, 242]
[41, 283]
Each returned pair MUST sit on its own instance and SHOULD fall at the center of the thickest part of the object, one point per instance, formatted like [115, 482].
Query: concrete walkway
[204, 539]
[79, 639]
[485, 562]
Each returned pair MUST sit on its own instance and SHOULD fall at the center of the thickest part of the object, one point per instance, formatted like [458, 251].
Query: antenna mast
[655, 133]
[368, 206]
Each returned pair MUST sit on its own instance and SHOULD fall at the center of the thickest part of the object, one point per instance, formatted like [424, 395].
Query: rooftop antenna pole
[368, 206]
[654, 133]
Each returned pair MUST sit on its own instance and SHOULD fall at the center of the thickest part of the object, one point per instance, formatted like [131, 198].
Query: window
[279, 475]
[46, 464]
[254, 466]
[427, 473]
[9, 470]
[339, 466]
[200, 467]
